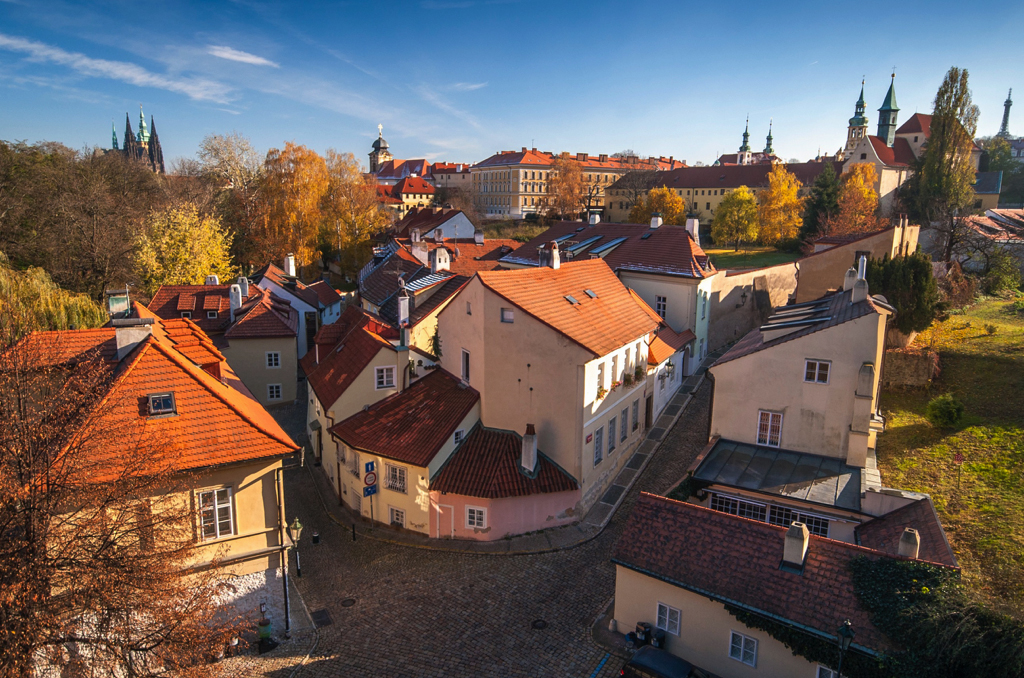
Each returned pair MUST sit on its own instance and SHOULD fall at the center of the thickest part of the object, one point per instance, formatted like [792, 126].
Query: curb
[599, 528]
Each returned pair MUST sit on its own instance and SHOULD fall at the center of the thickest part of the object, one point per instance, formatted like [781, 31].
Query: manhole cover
[348, 602]
[539, 624]
[321, 618]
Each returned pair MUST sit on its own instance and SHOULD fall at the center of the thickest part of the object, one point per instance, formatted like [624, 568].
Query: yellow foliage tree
[294, 184]
[565, 187]
[779, 207]
[858, 203]
[351, 212]
[178, 246]
[662, 200]
[736, 218]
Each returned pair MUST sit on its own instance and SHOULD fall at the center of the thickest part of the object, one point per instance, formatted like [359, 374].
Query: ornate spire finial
[380, 130]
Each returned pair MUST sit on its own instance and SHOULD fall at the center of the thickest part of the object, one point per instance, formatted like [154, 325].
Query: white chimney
[289, 265]
[797, 541]
[243, 283]
[129, 333]
[860, 291]
[910, 543]
[439, 260]
[235, 298]
[438, 234]
[478, 236]
[656, 220]
[414, 235]
[862, 268]
[552, 258]
[693, 228]
[212, 280]
[849, 279]
[529, 458]
[403, 309]
[595, 219]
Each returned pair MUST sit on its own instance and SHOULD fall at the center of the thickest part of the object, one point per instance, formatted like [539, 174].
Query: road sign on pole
[369, 491]
[370, 478]
[371, 466]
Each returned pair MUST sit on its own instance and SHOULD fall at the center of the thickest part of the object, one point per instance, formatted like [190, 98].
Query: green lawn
[984, 519]
[750, 257]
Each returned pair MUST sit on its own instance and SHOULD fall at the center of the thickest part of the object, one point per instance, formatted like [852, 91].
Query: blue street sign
[370, 466]
[369, 490]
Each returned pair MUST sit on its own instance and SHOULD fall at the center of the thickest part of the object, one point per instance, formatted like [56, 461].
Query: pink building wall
[510, 516]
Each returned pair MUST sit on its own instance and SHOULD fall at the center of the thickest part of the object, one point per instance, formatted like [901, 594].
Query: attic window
[186, 314]
[161, 404]
[591, 293]
[645, 236]
[571, 299]
[211, 314]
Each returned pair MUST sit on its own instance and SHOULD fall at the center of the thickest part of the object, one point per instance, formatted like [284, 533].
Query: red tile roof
[466, 256]
[412, 185]
[395, 169]
[736, 561]
[732, 176]
[602, 324]
[170, 300]
[883, 533]
[382, 283]
[487, 465]
[918, 123]
[424, 218]
[270, 316]
[413, 425]
[287, 283]
[327, 294]
[667, 343]
[384, 195]
[589, 162]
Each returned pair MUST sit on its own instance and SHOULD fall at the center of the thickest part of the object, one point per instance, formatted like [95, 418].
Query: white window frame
[273, 360]
[508, 315]
[396, 478]
[817, 364]
[393, 512]
[669, 613]
[767, 440]
[218, 503]
[743, 645]
[270, 391]
[826, 672]
[211, 315]
[186, 314]
[381, 377]
[460, 435]
[477, 521]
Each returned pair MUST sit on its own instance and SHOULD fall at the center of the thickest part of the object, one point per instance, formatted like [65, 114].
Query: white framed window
[661, 305]
[211, 314]
[465, 366]
[817, 371]
[668, 619]
[623, 430]
[273, 391]
[476, 517]
[394, 478]
[769, 428]
[186, 314]
[611, 435]
[396, 516]
[161, 404]
[743, 648]
[826, 672]
[460, 435]
[384, 377]
[216, 514]
[508, 315]
[598, 445]
[273, 359]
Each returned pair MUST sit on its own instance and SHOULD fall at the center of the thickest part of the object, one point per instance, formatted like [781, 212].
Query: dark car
[650, 662]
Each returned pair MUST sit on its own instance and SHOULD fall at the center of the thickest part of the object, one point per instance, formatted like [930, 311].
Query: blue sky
[458, 80]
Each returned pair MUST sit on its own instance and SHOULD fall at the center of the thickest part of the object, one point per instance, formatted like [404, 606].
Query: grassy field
[523, 231]
[751, 257]
[984, 518]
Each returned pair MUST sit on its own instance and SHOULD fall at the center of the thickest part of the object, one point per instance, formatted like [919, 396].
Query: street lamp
[845, 636]
[295, 530]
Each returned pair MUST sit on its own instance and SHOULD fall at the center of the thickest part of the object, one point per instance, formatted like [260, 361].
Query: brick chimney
[528, 462]
[129, 333]
[795, 549]
[910, 543]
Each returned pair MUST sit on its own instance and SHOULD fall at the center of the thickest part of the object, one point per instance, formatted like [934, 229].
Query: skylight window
[571, 299]
[161, 404]
[591, 293]
[645, 236]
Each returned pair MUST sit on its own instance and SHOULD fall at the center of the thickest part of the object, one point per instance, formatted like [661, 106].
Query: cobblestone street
[418, 612]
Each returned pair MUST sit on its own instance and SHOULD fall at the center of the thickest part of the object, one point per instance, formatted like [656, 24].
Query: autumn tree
[293, 189]
[351, 214]
[634, 185]
[858, 203]
[178, 246]
[663, 201]
[779, 207]
[735, 220]
[821, 203]
[94, 576]
[565, 187]
[238, 169]
[998, 156]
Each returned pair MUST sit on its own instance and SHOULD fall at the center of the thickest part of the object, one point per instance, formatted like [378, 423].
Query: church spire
[130, 147]
[768, 150]
[143, 132]
[887, 114]
[1004, 129]
[113, 135]
[156, 154]
[745, 148]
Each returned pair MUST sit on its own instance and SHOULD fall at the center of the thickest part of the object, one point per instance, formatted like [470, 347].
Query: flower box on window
[616, 384]
[638, 373]
[601, 392]
[628, 380]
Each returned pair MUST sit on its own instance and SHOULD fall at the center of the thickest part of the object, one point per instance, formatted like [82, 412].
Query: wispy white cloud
[465, 86]
[228, 110]
[222, 52]
[193, 87]
[432, 97]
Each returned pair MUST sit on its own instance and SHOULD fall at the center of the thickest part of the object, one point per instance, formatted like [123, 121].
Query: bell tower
[743, 157]
[858, 128]
[887, 114]
[380, 153]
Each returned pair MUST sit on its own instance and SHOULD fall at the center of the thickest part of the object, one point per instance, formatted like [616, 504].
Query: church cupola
[745, 148]
[768, 150]
[380, 153]
[858, 123]
[887, 115]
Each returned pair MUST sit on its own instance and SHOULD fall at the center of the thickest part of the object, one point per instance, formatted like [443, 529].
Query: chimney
[243, 283]
[693, 228]
[235, 297]
[478, 236]
[553, 259]
[439, 260]
[849, 279]
[910, 543]
[289, 265]
[403, 308]
[862, 268]
[129, 333]
[860, 291]
[414, 235]
[118, 303]
[795, 549]
[212, 280]
[529, 458]
[595, 219]
[438, 234]
[656, 220]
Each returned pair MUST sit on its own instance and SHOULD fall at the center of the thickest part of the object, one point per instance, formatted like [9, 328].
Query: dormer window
[161, 405]
[186, 314]
[211, 315]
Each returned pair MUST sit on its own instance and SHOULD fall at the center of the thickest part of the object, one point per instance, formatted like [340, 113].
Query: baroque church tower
[858, 128]
[743, 157]
[144, 146]
[380, 153]
[887, 115]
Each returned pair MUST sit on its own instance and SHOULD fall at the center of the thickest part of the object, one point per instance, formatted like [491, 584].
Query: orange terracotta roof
[600, 324]
[467, 257]
[883, 533]
[288, 284]
[384, 195]
[412, 185]
[170, 300]
[424, 218]
[327, 294]
[646, 307]
[488, 465]
[589, 162]
[413, 425]
[918, 123]
[271, 316]
[667, 343]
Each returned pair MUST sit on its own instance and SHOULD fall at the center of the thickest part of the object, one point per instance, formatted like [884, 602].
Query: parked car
[650, 662]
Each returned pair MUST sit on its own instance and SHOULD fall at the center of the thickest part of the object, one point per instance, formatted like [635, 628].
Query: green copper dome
[859, 119]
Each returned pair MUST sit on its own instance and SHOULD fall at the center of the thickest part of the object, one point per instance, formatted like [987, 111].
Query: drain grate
[321, 618]
[348, 602]
[539, 624]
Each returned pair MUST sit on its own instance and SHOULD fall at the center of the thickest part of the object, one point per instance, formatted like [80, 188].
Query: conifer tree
[821, 203]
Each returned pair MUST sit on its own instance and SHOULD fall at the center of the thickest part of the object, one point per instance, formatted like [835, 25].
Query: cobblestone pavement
[402, 611]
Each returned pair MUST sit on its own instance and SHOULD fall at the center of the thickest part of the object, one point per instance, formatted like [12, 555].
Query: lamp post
[295, 530]
[845, 636]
